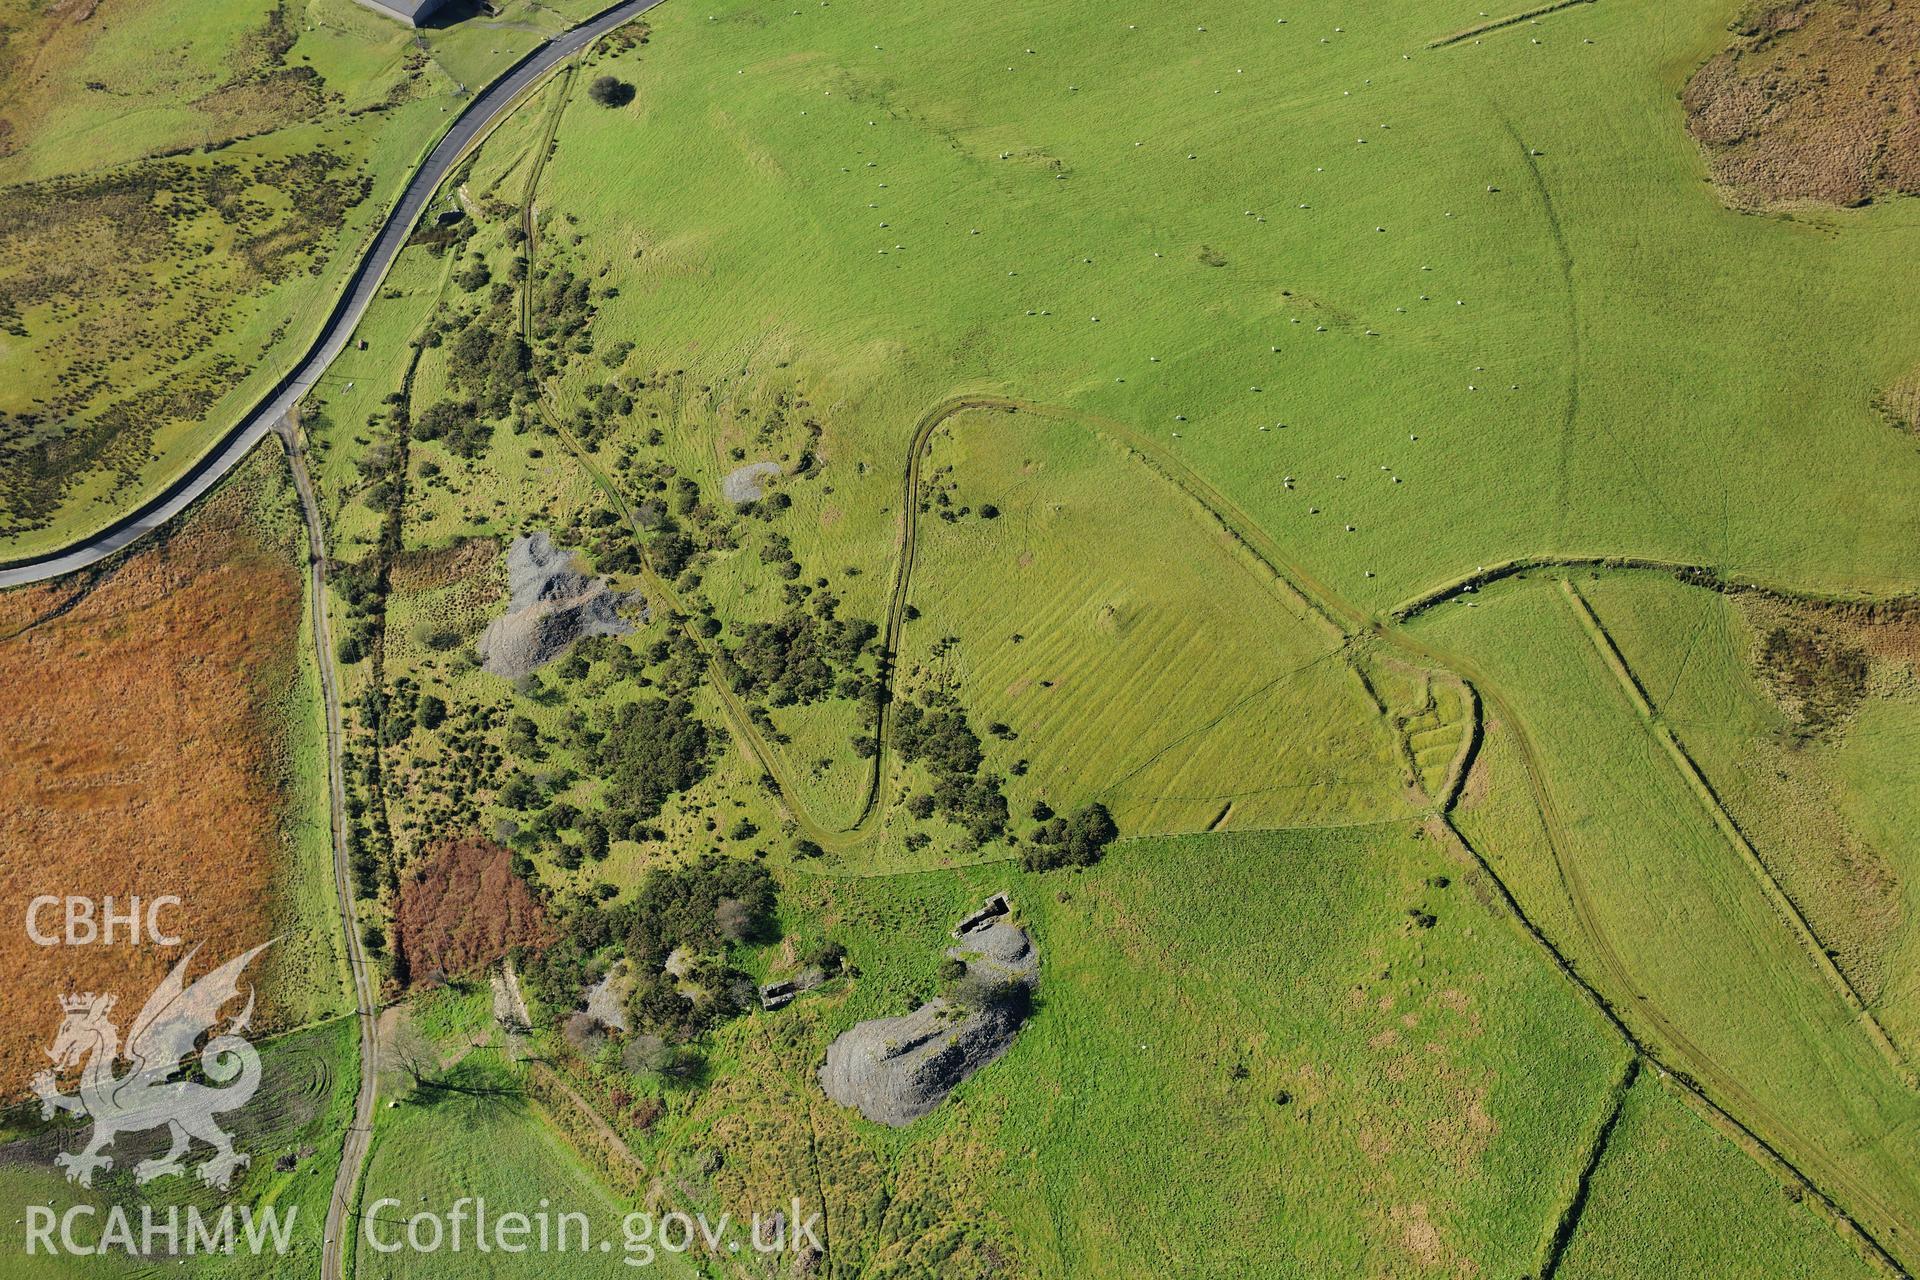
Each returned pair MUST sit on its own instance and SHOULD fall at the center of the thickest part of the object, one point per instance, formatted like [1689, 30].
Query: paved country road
[486, 107]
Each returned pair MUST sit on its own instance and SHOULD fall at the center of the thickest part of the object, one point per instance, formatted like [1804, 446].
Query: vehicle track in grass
[1713, 1089]
[1351, 628]
[358, 1144]
[856, 831]
[1709, 799]
[1827, 1174]
[657, 589]
[529, 222]
[1737, 1130]
[1563, 264]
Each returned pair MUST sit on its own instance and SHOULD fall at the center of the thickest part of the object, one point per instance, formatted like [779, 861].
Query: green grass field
[1271, 1069]
[1142, 657]
[1673, 926]
[1304, 317]
[488, 1143]
[1432, 1071]
[306, 968]
[1669, 1192]
[1825, 813]
[1267, 1068]
[847, 161]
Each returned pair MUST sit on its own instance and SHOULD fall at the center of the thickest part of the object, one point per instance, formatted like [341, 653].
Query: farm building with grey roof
[412, 12]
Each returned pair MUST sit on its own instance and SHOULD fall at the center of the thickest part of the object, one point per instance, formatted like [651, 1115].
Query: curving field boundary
[1698, 575]
[1810, 1167]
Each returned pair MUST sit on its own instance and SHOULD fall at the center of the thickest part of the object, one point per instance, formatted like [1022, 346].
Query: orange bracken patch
[1814, 101]
[138, 757]
[463, 907]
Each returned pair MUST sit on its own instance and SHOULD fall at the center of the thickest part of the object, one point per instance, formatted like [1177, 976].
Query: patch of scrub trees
[933, 731]
[466, 765]
[488, 359]
[669, 503]
[806, 655]
[603, 403]
[458, 424]
[1075, 841]
[680, 934]
[802, 657]
[678, 524]
[610, 92]
[672, 499]
[362, 588]
[446, 784]
[936, 498]
[363, 585]
[645, 751]
[562, 310]
[650, 750]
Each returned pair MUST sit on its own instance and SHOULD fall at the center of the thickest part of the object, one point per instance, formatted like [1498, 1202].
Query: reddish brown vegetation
[1817, 100]
[462, 908]
[139, 755]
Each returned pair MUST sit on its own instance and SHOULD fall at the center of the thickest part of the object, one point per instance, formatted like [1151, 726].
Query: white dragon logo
[174, 1018]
